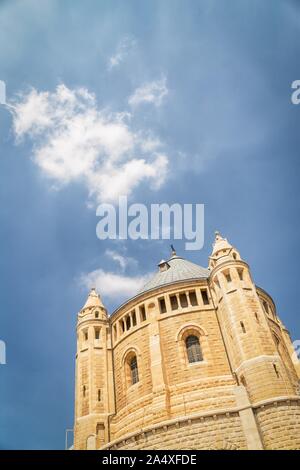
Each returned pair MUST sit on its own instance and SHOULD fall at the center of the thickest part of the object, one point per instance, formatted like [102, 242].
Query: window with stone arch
[282, 350]
[193, 349]
[193, 346]
[134, 372]
[131, 368]
[276, 340]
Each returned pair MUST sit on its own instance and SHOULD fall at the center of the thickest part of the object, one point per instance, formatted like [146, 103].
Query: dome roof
[179, 269]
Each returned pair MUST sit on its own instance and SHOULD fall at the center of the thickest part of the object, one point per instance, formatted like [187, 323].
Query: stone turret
[94, 379]
[252, 349]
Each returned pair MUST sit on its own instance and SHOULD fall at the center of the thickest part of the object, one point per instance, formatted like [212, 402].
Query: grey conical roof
[180, 270]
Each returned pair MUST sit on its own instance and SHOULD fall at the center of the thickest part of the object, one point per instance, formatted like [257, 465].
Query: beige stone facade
[198, 360]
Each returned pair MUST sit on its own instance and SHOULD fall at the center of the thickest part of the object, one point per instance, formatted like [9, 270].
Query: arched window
[193, 349]
[134, 370]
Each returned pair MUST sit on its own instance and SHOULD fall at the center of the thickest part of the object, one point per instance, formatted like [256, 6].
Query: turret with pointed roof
[244, 325]
[222, 251]
[94, 398]
[93, 300]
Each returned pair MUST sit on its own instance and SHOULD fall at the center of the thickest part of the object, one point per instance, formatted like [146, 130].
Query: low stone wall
[219, 431]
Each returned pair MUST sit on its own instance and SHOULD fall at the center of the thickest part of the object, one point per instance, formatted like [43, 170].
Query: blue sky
[195, 93]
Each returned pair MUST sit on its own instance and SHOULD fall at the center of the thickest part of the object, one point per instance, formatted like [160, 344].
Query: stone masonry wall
[211, 432]
[280, 425]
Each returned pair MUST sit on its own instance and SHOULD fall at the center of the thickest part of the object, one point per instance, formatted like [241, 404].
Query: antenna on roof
[173, 250]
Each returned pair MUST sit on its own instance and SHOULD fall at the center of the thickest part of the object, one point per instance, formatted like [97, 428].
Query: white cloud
[122, 51]
[114, 181]
[151, 92]
[150, 143]
[113, 286]
[123, 261]
[75, 140]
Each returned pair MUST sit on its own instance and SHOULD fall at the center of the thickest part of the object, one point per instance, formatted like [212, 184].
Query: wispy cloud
[112, 285]
[151, 92]
[123, 261]
[73, 139]
[150, 143]
[122, 51]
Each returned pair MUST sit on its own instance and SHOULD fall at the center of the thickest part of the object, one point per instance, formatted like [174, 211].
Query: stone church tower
[196, 360]
[94, 401]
